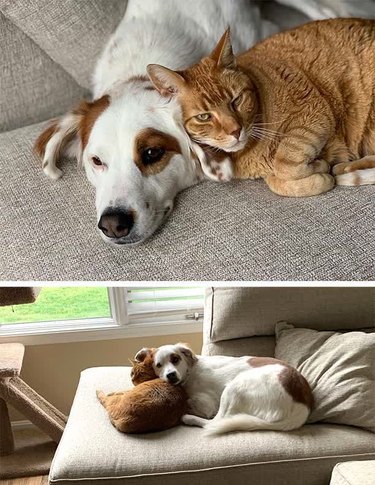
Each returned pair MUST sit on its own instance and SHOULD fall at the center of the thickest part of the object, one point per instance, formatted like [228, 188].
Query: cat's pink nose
[236, 133]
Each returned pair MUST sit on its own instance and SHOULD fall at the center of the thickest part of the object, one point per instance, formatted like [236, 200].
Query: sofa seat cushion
[91, 449]
[235, 231]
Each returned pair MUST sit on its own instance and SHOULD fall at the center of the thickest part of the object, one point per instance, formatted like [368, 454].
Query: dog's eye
[152, 155]
[175, 359]
[158, 366]
[96, 161]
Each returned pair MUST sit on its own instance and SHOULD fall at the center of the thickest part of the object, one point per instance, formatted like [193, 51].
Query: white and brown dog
[130, 139]
[235, 393]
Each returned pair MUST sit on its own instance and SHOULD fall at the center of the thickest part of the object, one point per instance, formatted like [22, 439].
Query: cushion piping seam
[51, 480]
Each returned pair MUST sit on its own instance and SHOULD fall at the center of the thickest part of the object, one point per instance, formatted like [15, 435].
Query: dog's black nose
[116, 223]
[172, 377]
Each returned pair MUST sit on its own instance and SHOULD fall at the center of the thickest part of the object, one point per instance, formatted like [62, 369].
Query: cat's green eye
[203, 117]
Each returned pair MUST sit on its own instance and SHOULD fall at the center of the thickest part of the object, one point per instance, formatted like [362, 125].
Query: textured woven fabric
[33, 87]
[100, 453]
[340, 369]
[232, 313]
[354, 473]
[238, 231]
[71, 33]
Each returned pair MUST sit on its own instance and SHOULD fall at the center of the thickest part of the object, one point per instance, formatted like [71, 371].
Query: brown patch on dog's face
[44, 138]
[188, 353]
[88, 113]
[174, 359]
[153, 150]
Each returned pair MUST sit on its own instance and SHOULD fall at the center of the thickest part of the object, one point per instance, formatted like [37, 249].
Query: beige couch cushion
[92, 450]
[245, 312]
[340, 369]
[354, 473]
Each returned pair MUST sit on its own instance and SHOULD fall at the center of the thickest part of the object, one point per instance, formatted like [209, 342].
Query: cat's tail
[246, 422]
[358, 177]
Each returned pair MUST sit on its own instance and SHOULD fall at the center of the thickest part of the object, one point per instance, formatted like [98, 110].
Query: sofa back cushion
[244, 318]
[48, 54]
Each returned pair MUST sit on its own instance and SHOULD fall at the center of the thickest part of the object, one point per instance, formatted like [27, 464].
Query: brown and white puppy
[236, 393]
[152, 405]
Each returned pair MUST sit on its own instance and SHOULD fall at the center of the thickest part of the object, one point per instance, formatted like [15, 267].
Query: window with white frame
[95, 312]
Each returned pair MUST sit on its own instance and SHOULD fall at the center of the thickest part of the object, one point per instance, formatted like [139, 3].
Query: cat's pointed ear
[223, 52]
[166, 81]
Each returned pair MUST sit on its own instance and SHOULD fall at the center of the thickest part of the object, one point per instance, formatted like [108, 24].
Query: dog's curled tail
[357, 177]
[246, 422]
[102, 397]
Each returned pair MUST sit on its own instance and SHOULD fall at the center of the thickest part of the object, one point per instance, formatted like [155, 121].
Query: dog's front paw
[191, 420]
[223, 171]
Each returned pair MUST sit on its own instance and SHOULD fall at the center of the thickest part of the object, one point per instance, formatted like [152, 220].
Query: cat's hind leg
[359, 172]
[315, 184]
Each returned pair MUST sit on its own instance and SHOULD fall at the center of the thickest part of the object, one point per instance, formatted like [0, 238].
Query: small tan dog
[152, 405]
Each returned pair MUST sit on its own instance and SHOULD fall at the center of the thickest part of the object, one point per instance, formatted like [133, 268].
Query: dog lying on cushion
[152, 405]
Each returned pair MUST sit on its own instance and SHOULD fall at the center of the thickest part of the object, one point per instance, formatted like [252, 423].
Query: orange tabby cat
[289, 108]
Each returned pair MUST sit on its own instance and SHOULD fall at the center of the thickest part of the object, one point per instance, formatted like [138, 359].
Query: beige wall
[53, 370]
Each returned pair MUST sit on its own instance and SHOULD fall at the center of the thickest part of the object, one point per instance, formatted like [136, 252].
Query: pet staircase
[15, 391]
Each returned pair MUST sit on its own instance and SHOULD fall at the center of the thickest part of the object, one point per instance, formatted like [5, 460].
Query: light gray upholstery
[233, 315]
[238, 231]
[93, 451]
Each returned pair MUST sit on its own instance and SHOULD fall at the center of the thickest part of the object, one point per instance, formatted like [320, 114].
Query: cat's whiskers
[264, 133]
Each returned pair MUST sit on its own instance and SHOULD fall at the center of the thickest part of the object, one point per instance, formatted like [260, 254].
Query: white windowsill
[96, 329]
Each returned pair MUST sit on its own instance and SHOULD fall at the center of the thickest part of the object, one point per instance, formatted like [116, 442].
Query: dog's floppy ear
[142, 354]
[187, 352]
[68, 135]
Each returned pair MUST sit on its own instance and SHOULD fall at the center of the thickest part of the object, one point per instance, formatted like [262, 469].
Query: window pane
[62, 303]
[154, 300]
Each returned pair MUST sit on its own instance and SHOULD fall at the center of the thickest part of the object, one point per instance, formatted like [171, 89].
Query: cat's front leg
[315, 184]
[297, 169]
